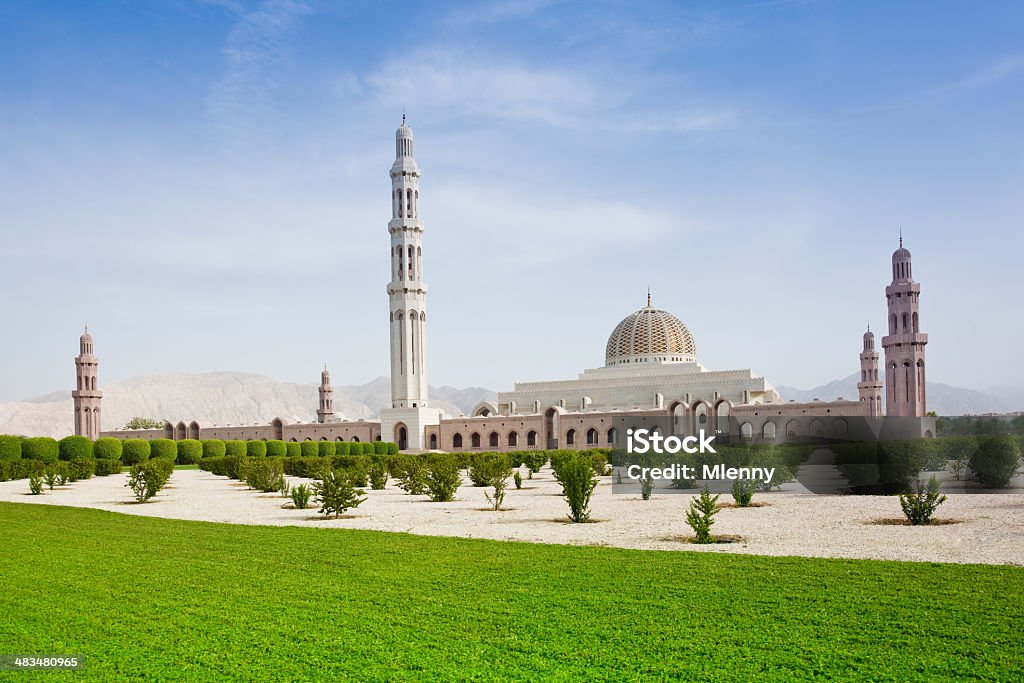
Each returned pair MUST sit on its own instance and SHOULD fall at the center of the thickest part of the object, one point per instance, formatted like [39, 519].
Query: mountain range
[234, 398]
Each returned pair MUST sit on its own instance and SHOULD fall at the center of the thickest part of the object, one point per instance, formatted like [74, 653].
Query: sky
[206, 183]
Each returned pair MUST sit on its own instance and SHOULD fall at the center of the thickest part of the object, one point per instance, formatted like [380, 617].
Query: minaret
[407, 296]
[904, 345]
[326, 411]
[407, 291]
[86, 396]
[869, 387]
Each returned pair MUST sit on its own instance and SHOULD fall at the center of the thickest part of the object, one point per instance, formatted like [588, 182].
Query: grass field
[155, 598]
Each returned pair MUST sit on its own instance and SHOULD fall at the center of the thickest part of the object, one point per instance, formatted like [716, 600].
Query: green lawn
[155, 598]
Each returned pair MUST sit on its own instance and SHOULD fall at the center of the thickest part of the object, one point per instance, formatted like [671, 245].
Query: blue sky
[206, 183]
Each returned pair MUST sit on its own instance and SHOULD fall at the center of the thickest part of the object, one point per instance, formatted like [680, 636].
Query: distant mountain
[221, 398]
[942, 398]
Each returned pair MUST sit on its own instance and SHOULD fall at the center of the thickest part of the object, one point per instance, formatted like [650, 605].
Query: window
[457, 441]
[513, 439]
[531, 438]
[492, 440]
[570, 437]
[474, 440]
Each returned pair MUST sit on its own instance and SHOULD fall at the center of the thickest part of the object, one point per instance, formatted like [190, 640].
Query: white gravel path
[991, 530]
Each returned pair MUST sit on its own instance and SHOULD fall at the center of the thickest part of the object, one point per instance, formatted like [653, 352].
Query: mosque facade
[651, 378]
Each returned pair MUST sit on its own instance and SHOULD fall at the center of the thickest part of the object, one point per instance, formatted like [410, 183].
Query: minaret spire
[648, 297]
[86, 396]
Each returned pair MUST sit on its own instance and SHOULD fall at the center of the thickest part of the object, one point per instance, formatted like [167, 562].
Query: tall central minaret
[904, 345]
[404, 423]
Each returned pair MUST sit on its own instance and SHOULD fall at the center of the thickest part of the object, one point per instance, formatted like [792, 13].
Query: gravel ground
[989, 528]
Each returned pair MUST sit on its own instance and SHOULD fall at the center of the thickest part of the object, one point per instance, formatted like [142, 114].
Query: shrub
[996, 461]
[10, 448]
[647, 485]
[190, 452]
[163, 448]
[41, 448]
[411, 473]
[147, 478]
[107, 448]
[920, 504]
[134, 451]
[35, 484]
[743, 491]
[369, 448]
[294, 449]
[263, 474]
[495, 470]
[214, 448]
[300, 496]
[701, 515]
[578, 480]
[325, 448]
[380, 448]
[256, 449]
[378, 474]
[74, 448]
[337, 493]
[50, 477]
[107, 466]
[309, 449]
[443, 479]
[534, 460]
[518, 479]
[392, 448]
[82, 468]
[342, 448]
[235, 448]
[276, 449]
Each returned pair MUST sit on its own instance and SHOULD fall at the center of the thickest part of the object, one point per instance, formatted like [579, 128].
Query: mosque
[651, 378]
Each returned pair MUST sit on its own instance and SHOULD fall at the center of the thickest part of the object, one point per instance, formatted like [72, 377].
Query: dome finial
[901, 236]
[648, 297]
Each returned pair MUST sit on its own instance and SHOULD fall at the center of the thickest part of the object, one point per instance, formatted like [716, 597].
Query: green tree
[143, 423]
[337, 493]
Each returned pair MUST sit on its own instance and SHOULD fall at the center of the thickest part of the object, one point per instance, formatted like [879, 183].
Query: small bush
[163, 448]
[82, 468]
[341, 448]
[518, 479]
[190, 452]
[214, 448]
[107, 448]
[534, 461]
[107, 466]
[134, 451]
[256, 449]
[380, 448]
[996, 461]
[378, 474]
[276, 449]
[235, 448]
[646, 486]
[743, 491]
[294, 449]
[74, 448]
[392, 448]
[50, 477]
[300, 496]
[148, 478]
[10, 448]
[336, 493]
[309, 449]
[496, 470]
[701, 515]
[35, 484]
[369, 448]
[263, 474]
[325, 448]
[411, 473]
[578, 480]
[443, 479]
[41, 448]
[920, 504]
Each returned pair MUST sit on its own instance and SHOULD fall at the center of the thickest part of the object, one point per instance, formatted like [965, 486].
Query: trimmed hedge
[190, 451]
[294, 449]
[380, 448]
[107, 466]
[10, 448]
[134, 451]
[163, 448]
[325, 448]
[310, 449]
[107, 448]
[74, 448]
[40, 448]
[256, 449]
[342, 448]
[234, 448]
[214, 448]
[276, 449]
